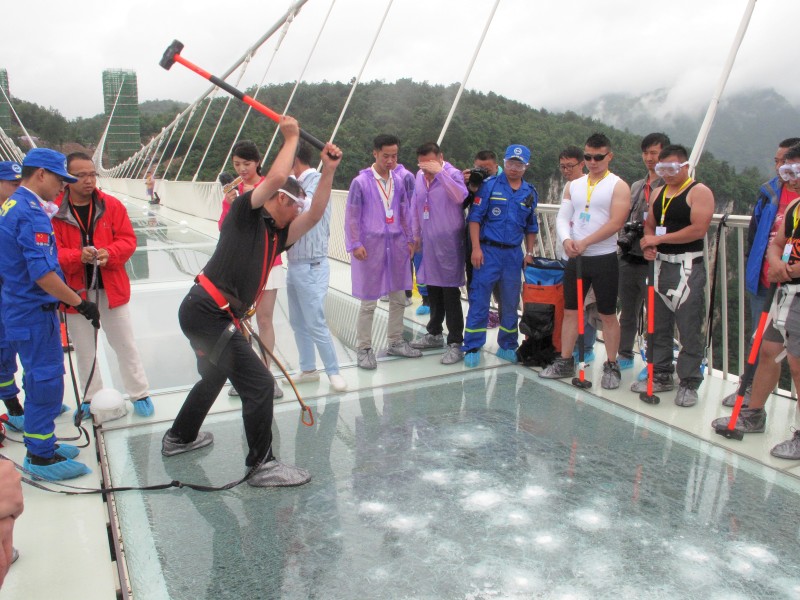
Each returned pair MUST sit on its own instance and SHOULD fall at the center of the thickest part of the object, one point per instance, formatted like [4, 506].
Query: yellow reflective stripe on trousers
[38, 436]
[474, 330]
[508, 330]
[7, 383]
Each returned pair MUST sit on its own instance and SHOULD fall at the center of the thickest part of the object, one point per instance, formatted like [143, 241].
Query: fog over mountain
[745, 133]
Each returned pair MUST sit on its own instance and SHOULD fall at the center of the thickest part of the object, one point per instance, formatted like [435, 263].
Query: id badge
[426, 215]
[661, 230]
[584, 216]
[787, 253]
[389, 220]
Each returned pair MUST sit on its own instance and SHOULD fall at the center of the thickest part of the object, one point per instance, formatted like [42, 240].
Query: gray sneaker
[662, 382]
[687, 394]
[611, 376]
[790, 449]
[452, 355]
[561, 367]
[402, 348]
[172, 445]
[428, 341]
[277, 474]
[751, 420]
[730, 399]
[366, 359]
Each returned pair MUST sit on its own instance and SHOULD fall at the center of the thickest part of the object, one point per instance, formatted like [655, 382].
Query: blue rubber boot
[16, 423]
[144, 407]
[59, 468]
[87, 413]
[507, 354]
[472, 359]
[67, 450]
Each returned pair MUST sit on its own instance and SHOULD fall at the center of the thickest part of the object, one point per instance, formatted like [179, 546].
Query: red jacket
[112, 231]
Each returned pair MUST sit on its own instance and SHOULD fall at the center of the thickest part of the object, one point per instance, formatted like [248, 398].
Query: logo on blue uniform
[496, 211]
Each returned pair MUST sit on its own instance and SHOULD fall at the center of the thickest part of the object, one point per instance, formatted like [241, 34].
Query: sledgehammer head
[731, 434]
[170, 53]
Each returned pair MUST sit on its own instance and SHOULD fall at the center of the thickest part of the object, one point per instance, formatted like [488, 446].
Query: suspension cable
[284, 30]
[242, 71]
[299, 79]
[467, 74]
[358, 77]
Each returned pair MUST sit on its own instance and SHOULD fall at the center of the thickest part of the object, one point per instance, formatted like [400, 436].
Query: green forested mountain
[414, 112]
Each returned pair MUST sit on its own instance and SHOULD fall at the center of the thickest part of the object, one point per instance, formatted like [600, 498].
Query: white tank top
[599, 212]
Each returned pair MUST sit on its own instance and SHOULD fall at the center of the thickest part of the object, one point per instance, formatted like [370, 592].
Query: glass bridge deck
[428, 481]
[489, 485]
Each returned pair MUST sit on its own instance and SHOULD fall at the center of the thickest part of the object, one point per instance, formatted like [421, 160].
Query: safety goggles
[515, 165]
[295, 200]
[669, 168]
[595, 157]
[789, 172]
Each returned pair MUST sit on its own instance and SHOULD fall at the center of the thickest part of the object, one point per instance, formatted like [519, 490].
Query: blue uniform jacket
[764, 213]
[505, 215]
[27, 253]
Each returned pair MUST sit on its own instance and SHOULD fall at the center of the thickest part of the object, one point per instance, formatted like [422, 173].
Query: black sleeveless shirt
[248, 238]
[679, 216]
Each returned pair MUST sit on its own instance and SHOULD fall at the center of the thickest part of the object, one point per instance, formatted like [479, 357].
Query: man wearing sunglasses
[592, 210]
[782, 334]
[767, 219]
[632, 265]
[674, 236]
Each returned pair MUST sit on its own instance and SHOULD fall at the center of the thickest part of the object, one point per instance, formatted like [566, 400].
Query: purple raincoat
[387, 267]
[442, 232]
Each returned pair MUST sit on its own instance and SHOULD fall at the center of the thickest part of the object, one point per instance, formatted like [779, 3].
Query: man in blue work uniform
[32, 286]
[503, 213]
[10, 176]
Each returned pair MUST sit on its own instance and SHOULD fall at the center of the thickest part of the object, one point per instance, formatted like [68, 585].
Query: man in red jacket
[95, 239]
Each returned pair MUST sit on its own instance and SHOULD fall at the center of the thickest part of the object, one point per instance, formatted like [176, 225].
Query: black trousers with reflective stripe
[203, 322]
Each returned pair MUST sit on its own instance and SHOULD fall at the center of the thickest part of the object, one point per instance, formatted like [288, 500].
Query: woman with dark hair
[247, 164]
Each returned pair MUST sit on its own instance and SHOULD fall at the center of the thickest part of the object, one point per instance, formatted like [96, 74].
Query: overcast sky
[555, 54]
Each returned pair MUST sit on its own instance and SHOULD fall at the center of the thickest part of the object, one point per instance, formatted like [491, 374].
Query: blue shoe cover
[624, 363]
[144, 407]
[67, 450]
[17, 423]
[642, 375]
[507, 354]
[472, 359]
[423, 310]
[64, 408]
[588, 357]
[87, 413]
[66, 469]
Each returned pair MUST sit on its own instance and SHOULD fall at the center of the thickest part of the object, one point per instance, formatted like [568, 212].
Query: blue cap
[10, 171]
[518, 152]
[53, 161]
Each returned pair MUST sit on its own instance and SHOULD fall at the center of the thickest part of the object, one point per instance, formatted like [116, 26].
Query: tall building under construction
[5, 108]
[121, 103]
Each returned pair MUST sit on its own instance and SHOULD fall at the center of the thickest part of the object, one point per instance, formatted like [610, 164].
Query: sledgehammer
[173, 55]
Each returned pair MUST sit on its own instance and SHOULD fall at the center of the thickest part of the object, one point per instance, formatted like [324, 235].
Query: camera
[632, 232]
[476, 177]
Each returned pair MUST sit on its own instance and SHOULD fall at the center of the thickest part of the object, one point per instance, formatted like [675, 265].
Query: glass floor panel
[479, 486]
